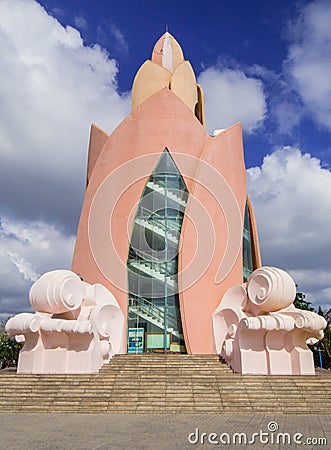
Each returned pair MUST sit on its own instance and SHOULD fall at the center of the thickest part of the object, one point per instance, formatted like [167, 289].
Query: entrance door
[154, 322]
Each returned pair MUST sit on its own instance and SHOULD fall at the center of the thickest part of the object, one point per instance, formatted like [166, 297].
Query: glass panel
[154, 323]
[247, 247]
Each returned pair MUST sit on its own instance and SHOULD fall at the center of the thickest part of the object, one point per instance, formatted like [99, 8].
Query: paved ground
[124, 431]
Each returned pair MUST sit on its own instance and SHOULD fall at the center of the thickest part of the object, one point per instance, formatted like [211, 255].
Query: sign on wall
[136, 340]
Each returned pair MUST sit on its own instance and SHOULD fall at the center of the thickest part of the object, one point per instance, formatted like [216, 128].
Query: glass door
[153, 302]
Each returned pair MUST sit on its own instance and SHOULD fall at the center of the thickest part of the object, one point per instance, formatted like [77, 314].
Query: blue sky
[236, 34]
[66, 64]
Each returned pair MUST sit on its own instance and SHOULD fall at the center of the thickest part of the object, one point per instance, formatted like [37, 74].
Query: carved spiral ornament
[22, 323]
[271, 289]
[57, 292]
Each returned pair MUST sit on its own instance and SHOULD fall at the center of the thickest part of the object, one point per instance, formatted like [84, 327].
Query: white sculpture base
[257, 329]
[76, 329]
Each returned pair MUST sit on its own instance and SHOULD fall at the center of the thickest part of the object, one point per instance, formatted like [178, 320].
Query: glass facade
[247, 247]
[154, 322]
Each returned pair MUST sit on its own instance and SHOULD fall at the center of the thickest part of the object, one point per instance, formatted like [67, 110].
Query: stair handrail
[152, 307]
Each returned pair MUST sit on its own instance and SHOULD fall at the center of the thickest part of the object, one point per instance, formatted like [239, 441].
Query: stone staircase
[165, 384]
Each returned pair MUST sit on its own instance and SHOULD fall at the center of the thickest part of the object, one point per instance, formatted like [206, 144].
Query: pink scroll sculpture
[77, 327]
[257, 329]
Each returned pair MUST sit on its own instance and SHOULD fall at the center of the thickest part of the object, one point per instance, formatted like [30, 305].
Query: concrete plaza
[163, 431]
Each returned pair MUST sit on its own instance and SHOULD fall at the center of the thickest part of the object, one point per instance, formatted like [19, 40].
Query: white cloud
[81, 23]
[285, 108]
[287, 114]
[52, 87]
[119, 37]
[23, 266]
[291, 195]
[231, 96]
[316, 284]
[27, 250]
[309, 60]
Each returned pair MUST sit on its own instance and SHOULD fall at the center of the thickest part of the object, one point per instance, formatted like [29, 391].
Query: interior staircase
[158, 383]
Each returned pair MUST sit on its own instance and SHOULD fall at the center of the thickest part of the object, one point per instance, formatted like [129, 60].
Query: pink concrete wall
[161, 121]
[225, 155]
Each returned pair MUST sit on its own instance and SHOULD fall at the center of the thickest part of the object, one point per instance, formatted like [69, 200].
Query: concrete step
[165, 384]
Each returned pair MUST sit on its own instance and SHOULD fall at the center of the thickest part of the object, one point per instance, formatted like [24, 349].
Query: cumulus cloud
[52, 88]
[291, 194]
[285, 107]
[230, 96]
[287, 114]
[309, 60]
[26, 251]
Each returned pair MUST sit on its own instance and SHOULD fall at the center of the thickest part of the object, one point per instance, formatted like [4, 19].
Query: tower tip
[167, 52]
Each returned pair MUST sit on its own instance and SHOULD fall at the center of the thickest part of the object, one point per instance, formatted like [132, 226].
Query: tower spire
[167, 53]
[168, 68]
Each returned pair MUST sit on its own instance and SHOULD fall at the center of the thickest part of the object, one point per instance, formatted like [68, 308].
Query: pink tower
[167, 250]
[166, 224]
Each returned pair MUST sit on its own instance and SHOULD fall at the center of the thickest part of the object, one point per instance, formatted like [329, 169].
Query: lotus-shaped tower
[165, 245]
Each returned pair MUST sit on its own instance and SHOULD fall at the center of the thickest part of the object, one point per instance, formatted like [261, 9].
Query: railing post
[166, 269]
[320, 356]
